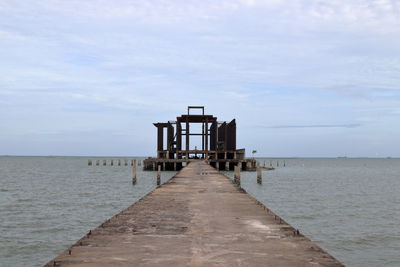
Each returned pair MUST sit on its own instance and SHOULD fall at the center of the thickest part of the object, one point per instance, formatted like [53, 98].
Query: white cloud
[281, 57]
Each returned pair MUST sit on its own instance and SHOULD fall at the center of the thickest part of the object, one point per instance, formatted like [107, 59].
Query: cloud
[100, 64]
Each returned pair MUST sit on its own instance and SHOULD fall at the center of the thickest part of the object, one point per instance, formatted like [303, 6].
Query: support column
[159, 175]
[259, 174]
[160, 138]
[134, 172]
[187, 135]
[206, 137]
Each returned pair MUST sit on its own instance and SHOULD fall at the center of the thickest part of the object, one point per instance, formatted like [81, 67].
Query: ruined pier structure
[218, 143]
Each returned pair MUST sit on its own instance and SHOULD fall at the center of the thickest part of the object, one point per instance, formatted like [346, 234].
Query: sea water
[349, 207]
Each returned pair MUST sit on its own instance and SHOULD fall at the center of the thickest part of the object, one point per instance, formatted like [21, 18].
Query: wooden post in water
[134, 171]
[89, 162]
[126, 162]
[104, 162]
[270, 163]
[277, 163]
[259, 174]
[284, 163]
[159, 175]
[119, 162]
[97, 163]
[237, 175]
[112, 163]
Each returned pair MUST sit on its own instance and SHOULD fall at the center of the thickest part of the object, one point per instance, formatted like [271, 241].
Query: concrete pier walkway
[198, 218]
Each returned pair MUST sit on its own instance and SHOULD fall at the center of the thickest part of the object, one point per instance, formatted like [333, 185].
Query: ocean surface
[350, 207]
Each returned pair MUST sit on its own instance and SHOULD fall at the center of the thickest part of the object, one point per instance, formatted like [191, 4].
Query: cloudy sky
[302, 77]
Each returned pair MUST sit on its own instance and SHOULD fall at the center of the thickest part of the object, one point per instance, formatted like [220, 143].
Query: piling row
[119, 162]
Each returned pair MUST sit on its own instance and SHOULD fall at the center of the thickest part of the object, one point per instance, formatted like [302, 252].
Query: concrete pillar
[226, 166]
[217, 165]
[234, 174]
[174, 166]
[237, 175]
[259, 174]
[159, 175]
[234, 155]
[225, 155]
[134, 171]
[163, 166]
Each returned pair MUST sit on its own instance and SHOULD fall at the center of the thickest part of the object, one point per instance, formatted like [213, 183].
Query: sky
[303, 78]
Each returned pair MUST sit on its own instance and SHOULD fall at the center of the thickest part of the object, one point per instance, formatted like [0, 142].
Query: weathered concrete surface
[198, 218]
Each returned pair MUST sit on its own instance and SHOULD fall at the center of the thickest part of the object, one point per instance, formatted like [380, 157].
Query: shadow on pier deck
[198, 218]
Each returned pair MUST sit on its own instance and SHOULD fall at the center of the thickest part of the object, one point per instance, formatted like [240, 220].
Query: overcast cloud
[322, 78]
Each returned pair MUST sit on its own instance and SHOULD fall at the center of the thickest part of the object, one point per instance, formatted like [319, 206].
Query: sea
[349, 206]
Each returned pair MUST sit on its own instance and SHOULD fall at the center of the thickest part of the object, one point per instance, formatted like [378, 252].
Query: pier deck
[198, 218]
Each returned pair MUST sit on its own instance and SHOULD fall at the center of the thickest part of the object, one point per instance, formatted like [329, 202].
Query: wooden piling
[119, 162]
[134, 171]
[112, 163]
[89, 163]
[104, 162]
[237, 175]
[159, 175]
[259, 174]
[125, 162]
[97, 162]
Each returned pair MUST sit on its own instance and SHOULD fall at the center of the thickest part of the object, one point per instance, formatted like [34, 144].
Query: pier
[216, 140]
[198, 218]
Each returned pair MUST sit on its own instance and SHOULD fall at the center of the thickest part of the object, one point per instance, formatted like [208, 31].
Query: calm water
[46, 204]
[350, 207]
